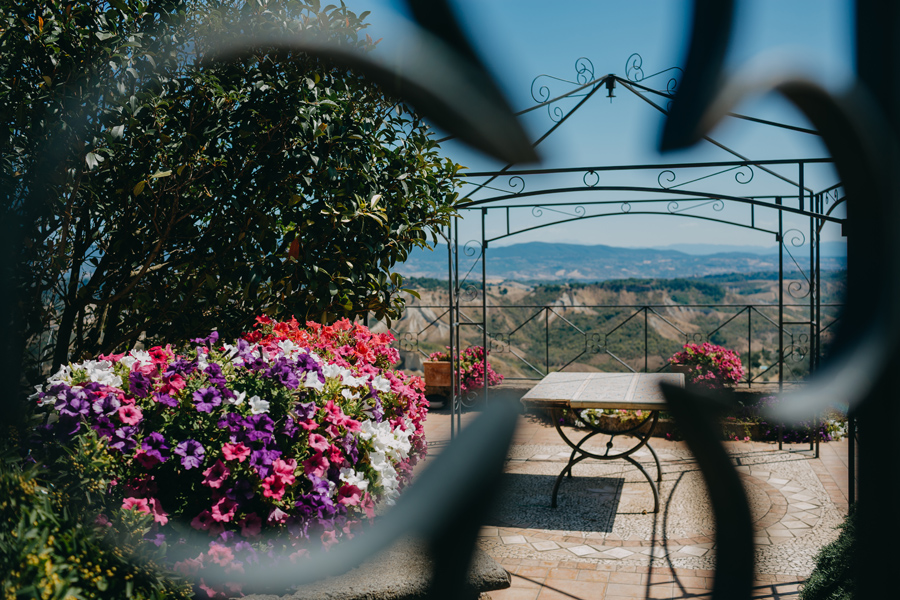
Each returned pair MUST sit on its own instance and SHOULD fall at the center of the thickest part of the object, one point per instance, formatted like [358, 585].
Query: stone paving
[602, 541]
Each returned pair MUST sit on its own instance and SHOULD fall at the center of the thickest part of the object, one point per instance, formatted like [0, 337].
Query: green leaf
[159, 174]
[139, 188]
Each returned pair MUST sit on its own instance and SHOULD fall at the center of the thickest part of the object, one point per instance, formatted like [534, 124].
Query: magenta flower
[216, 475]
[130, 414]
[238, 452]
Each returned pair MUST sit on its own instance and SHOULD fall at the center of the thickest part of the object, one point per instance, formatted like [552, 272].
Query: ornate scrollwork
[592, 174]
[540, 92]
[796, 238]
[473, 248]
[498, 343]
[577, 212]
[717, 205]
[634, 71]
[593, 343]
[694, 338]
[584, 70]
[468, 293]
[409, 342]
[743, 175]
[625, 207]
[517, 184]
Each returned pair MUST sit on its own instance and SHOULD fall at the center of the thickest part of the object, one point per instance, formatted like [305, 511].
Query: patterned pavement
[602, 541]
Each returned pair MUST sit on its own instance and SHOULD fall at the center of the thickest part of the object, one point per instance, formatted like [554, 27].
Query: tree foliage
[160, 194]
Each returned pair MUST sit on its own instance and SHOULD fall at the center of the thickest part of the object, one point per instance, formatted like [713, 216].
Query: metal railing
[527, 341]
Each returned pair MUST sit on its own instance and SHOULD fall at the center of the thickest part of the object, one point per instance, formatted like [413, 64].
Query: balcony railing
[527, 341]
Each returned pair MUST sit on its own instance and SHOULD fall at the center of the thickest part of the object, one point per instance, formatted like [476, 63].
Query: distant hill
[538, 261]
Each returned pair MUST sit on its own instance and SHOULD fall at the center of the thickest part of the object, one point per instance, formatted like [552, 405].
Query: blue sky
[521, 39]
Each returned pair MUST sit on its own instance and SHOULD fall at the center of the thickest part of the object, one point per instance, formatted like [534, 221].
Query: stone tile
[581, 550]
[655, 552]
[805, 506]
[617, 553]
[513, 539]
[489, 532]
[545, 546]
[693, 550]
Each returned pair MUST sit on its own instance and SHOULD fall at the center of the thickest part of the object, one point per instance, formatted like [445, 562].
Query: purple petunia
[290, 427]
[73, 403]
[181, 366]
[123, 439]
[155, 445]
[349, 446]
[283, 371]
[259, 427]
[191, 453]
[139, 384]
[214, 375]
[211, 339]
[306, 410]
[106, 405]
[165, 399]
[104, 427]
[262, 460]
[206, 399]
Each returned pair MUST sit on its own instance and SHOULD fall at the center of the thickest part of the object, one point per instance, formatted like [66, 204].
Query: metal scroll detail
[796, 239]
[634, 71]
[540, 91]
[743, 175]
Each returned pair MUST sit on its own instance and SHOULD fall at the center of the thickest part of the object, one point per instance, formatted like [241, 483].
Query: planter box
[437, 376]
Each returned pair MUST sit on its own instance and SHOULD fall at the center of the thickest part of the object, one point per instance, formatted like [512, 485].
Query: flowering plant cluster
[284, 441]
[831, 428]
[471, 367]
[709, 365]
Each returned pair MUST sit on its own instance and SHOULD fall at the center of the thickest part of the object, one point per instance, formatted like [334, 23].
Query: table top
[602, 390]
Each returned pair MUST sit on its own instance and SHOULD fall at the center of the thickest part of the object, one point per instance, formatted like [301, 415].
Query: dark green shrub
[832, 579]
[54, 546]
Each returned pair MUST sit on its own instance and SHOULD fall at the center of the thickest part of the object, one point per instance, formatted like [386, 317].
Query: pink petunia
[316, 465]
[147, 461]
[159, 515]
[318, 442]
[189, 566]
[223, 510]
[203, 521]
[238, 452]
[285, 469]
[334, 414]
[216, 475]
[329, 539]
[349, 495]
[277, 516]
[273, 487]
[130, 415]
[335, 456]
[251, 525]
[219, 554]
[138, 504]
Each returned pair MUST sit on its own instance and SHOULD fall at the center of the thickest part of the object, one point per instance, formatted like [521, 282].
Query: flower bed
[284, 441]
[708, 365]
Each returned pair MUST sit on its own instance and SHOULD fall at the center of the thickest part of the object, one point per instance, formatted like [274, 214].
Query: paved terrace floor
[600, 544]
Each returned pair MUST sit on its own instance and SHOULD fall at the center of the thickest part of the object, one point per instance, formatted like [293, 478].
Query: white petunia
[238, 398]
[101, 371]
[349, 395]
[258, 405]
[354, 478]
[332, 371]
[289, 348]
[312, 381]
[381, 384]
[349, 380]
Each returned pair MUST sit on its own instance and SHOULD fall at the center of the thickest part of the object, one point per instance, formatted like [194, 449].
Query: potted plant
[707, 365]
[471, 367]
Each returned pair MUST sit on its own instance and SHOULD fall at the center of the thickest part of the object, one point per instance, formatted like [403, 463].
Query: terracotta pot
[680, 369]
[437, 373]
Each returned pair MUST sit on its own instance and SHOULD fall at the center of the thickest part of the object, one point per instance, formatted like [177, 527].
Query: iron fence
[527, 341]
